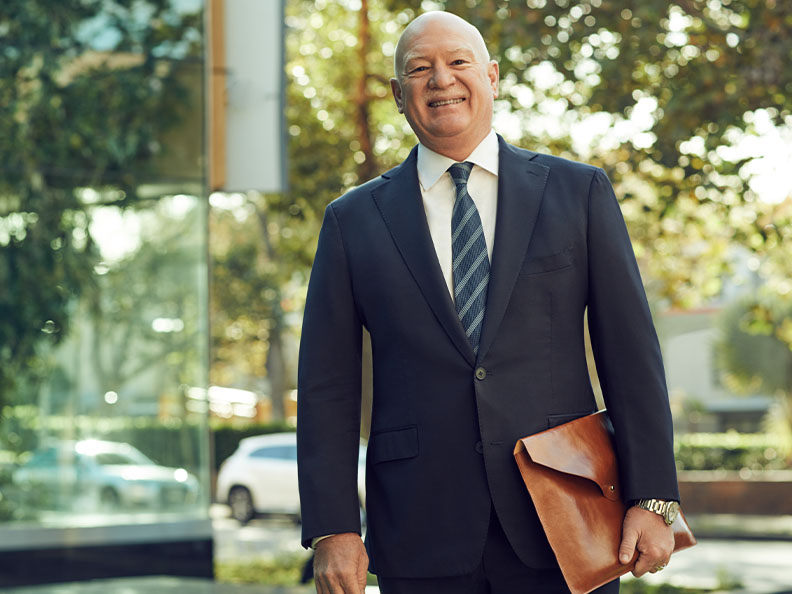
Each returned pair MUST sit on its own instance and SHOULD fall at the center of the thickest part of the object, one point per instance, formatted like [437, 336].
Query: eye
[458, 62]
[418, 69]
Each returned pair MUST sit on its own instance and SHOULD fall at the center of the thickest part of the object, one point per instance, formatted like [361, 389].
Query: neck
[453, 148]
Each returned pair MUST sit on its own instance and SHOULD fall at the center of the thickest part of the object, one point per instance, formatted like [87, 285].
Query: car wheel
[241, 504]
[109, 499]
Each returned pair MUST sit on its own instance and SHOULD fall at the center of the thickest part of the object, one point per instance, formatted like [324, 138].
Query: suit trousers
[500, 572]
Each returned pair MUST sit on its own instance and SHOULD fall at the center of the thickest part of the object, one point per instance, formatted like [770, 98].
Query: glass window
[276, 452]
[103, 318]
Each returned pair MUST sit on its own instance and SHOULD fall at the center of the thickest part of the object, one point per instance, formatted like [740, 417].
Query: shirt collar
[431, 165]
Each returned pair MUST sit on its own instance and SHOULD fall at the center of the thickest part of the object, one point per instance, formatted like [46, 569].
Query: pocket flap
[583, 447]
[394, 444]
[545, 264]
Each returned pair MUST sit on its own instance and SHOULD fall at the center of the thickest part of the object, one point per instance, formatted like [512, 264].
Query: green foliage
[259, 262]
[85, 107]
[634, 586]
[727, 580]
[284, 570]
[161, 440]
[705, 73]
[755, 345]
[754, 354]
[729, 451]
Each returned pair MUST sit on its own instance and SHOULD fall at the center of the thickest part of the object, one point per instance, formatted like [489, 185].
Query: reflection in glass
[103, 327]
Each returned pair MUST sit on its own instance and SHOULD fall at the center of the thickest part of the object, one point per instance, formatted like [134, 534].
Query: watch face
[672, 512]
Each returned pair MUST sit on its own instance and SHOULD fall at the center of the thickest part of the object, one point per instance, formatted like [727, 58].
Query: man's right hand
[340, 565]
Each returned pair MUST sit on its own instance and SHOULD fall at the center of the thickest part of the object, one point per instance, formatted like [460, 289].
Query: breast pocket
[548, 264]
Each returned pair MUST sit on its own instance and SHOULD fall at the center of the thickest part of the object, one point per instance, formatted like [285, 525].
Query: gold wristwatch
[669, 510]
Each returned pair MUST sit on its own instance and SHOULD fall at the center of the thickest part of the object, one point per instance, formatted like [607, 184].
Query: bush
[641, 587]
[281, 571]
[171, 442]
[728, 451]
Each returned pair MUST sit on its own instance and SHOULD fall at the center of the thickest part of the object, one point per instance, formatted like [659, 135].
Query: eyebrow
[419, 56]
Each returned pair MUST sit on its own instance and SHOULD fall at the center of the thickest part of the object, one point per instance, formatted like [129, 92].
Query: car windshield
[108, 454]
[114, 458]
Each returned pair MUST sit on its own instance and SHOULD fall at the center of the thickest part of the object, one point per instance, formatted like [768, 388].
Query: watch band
[667, 509]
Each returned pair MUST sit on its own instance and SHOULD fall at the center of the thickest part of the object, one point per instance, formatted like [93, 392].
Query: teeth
[445, 102]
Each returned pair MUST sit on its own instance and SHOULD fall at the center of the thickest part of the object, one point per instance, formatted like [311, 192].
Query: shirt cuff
[317, 539]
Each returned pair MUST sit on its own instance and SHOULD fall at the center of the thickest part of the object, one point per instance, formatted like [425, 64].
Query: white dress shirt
[439, 194]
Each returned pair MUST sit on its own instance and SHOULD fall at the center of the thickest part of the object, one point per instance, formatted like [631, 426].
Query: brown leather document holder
[572, 476]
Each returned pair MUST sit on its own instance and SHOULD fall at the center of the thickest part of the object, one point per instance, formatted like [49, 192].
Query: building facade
[104, 444]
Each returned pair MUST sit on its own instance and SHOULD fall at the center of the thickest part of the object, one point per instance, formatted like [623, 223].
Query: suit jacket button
[479, 447]
[481, 373]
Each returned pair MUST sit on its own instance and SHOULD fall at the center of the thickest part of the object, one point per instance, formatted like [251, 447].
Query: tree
[89, 87]
[754, 353]
[256, 254]
[342, 129]
[699, 71]
[666, 90]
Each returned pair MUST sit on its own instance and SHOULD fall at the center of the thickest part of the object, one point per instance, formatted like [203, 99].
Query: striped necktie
[471, 265]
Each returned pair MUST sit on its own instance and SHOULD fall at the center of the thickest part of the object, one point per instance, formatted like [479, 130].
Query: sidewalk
[759, 567]
[153, 585]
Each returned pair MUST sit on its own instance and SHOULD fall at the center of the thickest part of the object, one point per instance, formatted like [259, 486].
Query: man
[471, 265]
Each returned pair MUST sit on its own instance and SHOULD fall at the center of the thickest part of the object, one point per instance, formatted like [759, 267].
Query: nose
[442, 77]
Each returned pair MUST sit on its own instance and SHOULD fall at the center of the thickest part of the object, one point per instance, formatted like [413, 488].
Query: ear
[397, 94]
[493, 73]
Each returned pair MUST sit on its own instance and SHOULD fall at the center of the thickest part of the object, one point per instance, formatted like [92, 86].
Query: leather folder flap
[582, 447]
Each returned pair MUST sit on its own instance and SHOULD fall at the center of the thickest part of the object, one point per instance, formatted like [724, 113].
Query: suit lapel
[400, 204]
[521, 184]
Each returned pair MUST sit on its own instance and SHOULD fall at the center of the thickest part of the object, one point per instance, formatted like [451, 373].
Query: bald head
[445, 83]
[437, 20]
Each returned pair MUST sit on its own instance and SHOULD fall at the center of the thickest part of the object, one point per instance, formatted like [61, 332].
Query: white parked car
[111, 475]
[260, 477]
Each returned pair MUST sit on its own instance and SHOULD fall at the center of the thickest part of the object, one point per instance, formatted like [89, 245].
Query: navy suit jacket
[444, 422]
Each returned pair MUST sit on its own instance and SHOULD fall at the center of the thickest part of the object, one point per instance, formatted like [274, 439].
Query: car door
[274, 478]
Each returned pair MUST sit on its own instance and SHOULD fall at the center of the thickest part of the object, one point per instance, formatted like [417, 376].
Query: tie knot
[460, 172]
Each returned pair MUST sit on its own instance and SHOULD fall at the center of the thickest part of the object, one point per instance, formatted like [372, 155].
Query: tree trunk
[368, 168]
[276, 372]
[275, 365]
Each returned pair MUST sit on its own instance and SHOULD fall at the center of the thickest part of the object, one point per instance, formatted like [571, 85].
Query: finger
[320, 589]
[627, 547]
[344, 584]
[647, 564]
[362, 573]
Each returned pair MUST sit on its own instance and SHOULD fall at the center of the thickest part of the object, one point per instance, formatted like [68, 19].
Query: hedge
[730, 451]
[169, 441]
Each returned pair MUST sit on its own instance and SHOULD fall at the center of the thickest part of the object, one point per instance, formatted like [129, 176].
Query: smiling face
[445, 83]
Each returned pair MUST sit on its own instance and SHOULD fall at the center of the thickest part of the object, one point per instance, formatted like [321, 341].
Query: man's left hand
[646, 532]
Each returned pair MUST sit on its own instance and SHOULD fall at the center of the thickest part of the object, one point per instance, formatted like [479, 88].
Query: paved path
[762, 567]
[154, 585]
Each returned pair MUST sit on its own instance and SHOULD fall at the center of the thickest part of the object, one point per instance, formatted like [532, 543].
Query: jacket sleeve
[627, 353]
[329, 393]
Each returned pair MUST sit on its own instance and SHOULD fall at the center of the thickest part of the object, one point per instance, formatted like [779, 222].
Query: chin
[449, 130]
